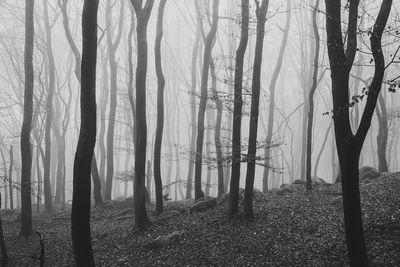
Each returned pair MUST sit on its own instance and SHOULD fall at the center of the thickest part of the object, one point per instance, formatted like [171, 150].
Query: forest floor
[290, 228]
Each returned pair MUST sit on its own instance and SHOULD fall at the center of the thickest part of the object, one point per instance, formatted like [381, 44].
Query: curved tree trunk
[203, 101]
[349, 145]
[261, 13]
[311, 97]
[160, 109]
[26, 154]
[237, 111]
[80, 214]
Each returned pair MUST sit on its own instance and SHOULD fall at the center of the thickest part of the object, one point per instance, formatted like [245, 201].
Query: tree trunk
[112, 47]
[49, 112]
[237, 111]
[311, 97]
[80, 214]
[271, 106]
[98, 200]
[261, 13]
[195, 54]
[217, 132]
[26, 154]
[198, 193]
[349, 145]
[4, 179]
[382, 137]
[10, 181]
[4, 256]
[142, 14]
[322, 149]
[160, 109]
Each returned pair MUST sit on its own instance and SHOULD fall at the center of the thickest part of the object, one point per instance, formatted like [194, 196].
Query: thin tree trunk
[311, 97]
[203, 101]
[4, 180]
[195, 54]
[49, 111]
[217, 132]
[112, 47]
[261, 13]
[4, 256]
[10, 179]
[382, 137]
[271, 106]
[80, 214]
[322, 149]
[26, 154]
[237, 111]
[160, 109]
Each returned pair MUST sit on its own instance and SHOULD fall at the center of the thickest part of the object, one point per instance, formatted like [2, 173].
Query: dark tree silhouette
[10, 181]
[349, 145]
[198, 193]
[4, 256]
[26, 153]
[80, 214]
[261, 13]
[237, 111]
[142, 15]
[160, 109]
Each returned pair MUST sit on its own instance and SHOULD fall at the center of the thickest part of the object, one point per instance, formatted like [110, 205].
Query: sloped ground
[290, 229]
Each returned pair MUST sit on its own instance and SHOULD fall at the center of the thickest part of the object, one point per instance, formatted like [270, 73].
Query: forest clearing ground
[291, 229]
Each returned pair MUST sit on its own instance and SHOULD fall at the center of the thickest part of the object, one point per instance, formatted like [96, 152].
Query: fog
[180, 29]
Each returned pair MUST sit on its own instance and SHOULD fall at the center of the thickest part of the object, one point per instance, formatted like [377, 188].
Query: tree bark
[382, 137]
[311, 97]
[142, 15]
[261, 13]
[217, 132]
[203, 101]
[195, 54]
[80, 214]
[349, 145]
[26, 154]
[237, 111]
[160, 109]
[10, 181]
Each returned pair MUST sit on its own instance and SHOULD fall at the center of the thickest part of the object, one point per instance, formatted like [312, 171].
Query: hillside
[291, 228]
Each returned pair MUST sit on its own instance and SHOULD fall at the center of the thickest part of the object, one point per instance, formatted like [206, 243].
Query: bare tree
[26, 154]
[142, 15]
[261, 13]
[80, 214]
[112, 48]
[311, 95]
[349, 145]
[237, 111]
[160, 109]
[198, 193]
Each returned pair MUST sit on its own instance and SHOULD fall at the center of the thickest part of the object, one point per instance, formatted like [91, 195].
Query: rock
[203, 204]
[284, 191]
[368, 173]
[299, 181]
[164, 240]
[168, 214]
[318, 181]
[224, 198]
